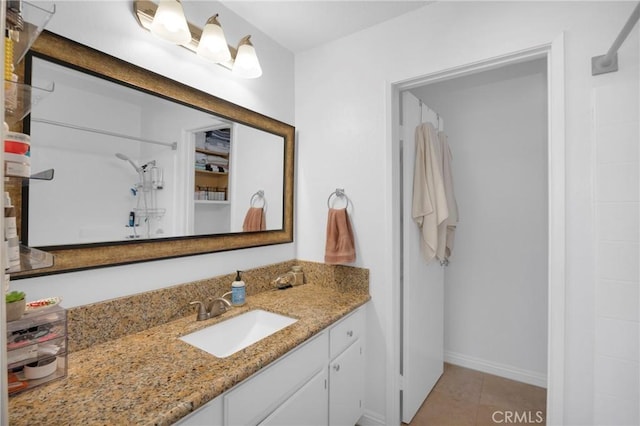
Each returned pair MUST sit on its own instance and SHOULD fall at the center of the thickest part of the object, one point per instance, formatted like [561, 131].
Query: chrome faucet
[213, 308]
[279, 280]
[295, 277]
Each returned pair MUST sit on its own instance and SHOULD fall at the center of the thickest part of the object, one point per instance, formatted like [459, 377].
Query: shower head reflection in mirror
[126, 158]
[146, 215]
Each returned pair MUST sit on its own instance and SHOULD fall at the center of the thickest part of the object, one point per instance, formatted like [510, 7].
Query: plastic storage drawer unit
[37, 348]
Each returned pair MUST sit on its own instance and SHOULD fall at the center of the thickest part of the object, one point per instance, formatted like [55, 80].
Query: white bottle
[238, 291]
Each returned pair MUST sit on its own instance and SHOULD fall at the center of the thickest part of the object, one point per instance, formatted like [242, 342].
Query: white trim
[476, 67]
[557, 225]
[554, 52]
[393, 310]
[496, 369]
[369, 418]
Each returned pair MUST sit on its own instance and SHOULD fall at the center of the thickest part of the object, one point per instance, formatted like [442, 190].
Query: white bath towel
[429, 209]
[452, 205]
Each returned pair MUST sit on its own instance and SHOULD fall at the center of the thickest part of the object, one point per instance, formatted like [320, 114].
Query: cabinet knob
[350, 333]
[336, 367]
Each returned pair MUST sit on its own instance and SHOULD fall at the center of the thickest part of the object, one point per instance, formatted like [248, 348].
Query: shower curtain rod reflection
[172, 145]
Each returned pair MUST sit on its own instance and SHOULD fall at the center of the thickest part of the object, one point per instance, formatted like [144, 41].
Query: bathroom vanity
[309, 371]
[320, 382]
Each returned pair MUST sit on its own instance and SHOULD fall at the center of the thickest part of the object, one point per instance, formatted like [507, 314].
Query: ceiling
[299, 25]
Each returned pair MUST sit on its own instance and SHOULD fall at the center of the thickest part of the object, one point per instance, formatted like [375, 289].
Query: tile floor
[464, 397]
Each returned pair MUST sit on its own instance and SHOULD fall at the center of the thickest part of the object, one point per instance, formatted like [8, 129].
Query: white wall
[617, 333]
[496, 283]
[343, 110]
[72, 153]
[111, 27]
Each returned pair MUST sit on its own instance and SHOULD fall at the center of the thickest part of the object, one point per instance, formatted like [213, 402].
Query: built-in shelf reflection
[20, 98]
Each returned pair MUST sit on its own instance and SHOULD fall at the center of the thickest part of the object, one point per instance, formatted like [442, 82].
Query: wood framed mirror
[78, 255]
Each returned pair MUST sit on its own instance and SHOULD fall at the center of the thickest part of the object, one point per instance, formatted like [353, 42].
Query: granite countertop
[153, 378]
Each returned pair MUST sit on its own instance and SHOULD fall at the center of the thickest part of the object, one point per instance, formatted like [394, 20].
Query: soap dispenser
[237, 291]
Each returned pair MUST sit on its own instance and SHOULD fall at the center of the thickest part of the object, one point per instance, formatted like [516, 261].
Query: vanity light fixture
[209, 43]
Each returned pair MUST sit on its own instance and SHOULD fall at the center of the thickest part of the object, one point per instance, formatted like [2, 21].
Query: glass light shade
[246, 64]
[170, 24]
[213, 45]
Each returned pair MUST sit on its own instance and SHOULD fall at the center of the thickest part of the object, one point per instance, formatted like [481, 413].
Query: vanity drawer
[346, 332]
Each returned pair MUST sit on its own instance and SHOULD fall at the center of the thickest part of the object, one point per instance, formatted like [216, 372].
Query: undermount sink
[228, 337]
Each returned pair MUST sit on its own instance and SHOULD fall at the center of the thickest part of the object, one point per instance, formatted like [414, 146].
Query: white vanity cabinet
[321, 382]
[346, 370]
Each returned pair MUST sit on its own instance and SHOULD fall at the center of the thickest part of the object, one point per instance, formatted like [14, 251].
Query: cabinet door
[258, 396]
[208, 415]
[307, 407]
[346, 386]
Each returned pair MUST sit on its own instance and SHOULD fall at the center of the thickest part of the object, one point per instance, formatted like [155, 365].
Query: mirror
[146, 168]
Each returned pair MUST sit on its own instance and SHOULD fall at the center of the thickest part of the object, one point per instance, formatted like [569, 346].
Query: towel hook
[339, 192]
[259, 195]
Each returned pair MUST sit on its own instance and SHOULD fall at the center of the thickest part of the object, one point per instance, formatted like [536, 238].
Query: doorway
[548, 58]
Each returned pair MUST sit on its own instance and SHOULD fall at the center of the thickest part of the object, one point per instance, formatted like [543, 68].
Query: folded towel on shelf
[254, 220]
[224, 149]
[214, 159]
[219, 134]
[340, 245]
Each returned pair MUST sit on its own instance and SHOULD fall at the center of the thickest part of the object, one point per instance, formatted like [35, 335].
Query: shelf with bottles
[210, 194]
[34, 19]
[24, 23]
[20, 98]
[30, 259]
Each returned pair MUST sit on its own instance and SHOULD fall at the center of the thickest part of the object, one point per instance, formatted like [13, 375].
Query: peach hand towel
[254, 220]
[340, 247]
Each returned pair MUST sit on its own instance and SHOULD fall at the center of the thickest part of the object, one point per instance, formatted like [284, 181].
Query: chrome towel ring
[259, 195]
[339, 193]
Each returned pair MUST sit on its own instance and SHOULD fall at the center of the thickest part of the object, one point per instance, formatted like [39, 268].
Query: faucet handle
[202, 311]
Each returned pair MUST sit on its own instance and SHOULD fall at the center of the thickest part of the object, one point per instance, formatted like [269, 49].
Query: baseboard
[369, 418]
[502, 370]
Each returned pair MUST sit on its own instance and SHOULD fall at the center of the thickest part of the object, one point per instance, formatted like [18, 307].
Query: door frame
[554, 54]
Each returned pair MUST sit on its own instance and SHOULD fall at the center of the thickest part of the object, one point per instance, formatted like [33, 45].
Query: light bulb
[170, 24]
[213, 45]
[246, 63]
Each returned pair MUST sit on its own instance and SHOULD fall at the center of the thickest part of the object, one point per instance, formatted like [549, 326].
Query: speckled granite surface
[151, 377]
[112, 319]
